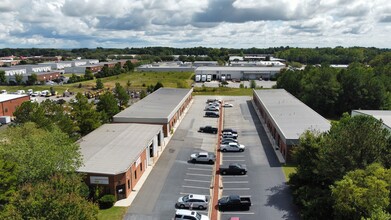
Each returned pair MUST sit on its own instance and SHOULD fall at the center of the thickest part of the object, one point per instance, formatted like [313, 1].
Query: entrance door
[121, 194]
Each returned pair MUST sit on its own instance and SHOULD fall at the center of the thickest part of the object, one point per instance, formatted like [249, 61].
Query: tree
[108, 106]
[18, 78]
[143, 94]
[128, 84]
[158, 86]
[87, 119]
[88, 75]
[129, 67]
[352, 143]
[99, 84]
[362, 193]
[38, 153]
[62, 196]
[253, 84]
[121, 95]
[290, 81]
[8, 181]
[3, 79]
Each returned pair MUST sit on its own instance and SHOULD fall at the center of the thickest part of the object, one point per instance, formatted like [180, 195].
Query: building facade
[238, 72]
[115, 156]
[286, 118]
[9, 103]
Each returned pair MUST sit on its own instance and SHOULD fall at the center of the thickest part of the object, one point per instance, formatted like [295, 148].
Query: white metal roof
[7, 97]
[158, 107]
[112, 148]
[238, 68]
[291, 116]
[383, 115]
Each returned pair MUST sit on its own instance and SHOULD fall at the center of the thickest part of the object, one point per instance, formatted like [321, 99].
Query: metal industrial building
[238, 72]
[383, 115]
[287, 118]
[9, 102]
[115, 156]
[164, 107]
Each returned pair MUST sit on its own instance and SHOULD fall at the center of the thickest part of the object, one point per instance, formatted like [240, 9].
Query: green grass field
[139, 81]
[288, 169]
[113, 213]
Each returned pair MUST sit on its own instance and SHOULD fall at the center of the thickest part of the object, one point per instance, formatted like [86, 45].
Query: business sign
[99, 180]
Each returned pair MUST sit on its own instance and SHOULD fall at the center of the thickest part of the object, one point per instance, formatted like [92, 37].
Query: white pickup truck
[232, 147]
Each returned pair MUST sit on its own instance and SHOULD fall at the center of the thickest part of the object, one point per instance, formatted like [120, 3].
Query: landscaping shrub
[107, 201]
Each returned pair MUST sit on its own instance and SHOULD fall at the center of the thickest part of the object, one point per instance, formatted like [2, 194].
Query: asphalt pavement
[173, 176]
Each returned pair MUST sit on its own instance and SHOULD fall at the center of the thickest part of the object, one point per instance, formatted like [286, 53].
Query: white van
[209, 78]
[197, 78]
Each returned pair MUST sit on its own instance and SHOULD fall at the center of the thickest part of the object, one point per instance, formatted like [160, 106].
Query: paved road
[173, 176]
[265, 181]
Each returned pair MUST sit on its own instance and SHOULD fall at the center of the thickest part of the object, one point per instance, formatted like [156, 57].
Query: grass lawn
[113, 213]
[224, 91]
[288, 169]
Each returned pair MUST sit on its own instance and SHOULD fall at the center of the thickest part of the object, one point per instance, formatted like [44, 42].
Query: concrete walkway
[128, 201]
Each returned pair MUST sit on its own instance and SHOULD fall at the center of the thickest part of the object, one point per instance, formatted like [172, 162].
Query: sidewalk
[128, 201]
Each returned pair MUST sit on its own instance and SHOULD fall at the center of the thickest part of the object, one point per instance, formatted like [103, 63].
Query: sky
[193, 23]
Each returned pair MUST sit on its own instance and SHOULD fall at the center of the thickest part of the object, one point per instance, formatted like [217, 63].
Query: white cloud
[184, 23]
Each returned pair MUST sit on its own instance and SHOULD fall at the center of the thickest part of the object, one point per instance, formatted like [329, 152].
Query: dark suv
[212, 114]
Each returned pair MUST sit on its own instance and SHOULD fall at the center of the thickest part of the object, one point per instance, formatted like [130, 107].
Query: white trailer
[197, 78]
[209, 78]
[203, 78]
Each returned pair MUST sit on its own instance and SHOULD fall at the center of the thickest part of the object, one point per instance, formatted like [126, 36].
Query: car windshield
[185, 198]
[198, 215]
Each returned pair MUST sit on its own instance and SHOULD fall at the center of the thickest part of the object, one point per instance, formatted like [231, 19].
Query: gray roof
[291, 117]
[383, 115]
[158, 107]
[112, 148]
[239, 68]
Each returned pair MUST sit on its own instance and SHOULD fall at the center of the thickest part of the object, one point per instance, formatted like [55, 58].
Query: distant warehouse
[237, 72]
[164, 107]
[287, 118]
[383, 115]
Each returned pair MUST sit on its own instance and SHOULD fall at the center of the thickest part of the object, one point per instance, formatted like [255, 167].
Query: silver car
[193, 201]
[203, 157]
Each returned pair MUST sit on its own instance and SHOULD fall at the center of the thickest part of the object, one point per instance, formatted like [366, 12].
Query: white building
[59, 65]
[383, 115]
[36, 68]
[231, 72]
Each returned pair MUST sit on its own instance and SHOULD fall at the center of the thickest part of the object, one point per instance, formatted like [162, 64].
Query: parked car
[233, 169]
[232, 147]
[229, 133]
[215, 109]
[45, 93]
[36, 93]
[234, 202]
[228, 105]
[208, 129]
[213, 100]
[229, 130]
[203, 157]
[193, 201]
[229, 140]
[229, 136]
[212, 114]
[30, 91]
[182, 214]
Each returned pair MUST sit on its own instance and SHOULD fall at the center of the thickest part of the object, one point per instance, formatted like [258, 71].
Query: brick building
[9, 102]
[287, 118]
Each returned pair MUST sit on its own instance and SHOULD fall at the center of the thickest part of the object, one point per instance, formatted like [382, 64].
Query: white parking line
[207, 194]
[237, 213]
[235, 176]
[196, 187]
[191, 168]
[199, 181]
[231, 156]
[235, 160]
[240, 195]
[236, 188]
[196, 174]
[235, 181]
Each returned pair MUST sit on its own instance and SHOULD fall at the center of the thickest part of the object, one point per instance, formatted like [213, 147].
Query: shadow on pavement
[281, 199]
[267, 146]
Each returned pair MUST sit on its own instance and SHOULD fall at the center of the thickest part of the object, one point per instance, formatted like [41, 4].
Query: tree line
[331, 91]
[344, 173]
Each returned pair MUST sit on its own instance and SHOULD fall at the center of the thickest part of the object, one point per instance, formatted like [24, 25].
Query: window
[128, 184]
[141, 166]
[135, 174]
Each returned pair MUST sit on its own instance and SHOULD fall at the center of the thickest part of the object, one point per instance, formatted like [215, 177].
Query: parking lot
[174, 176]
